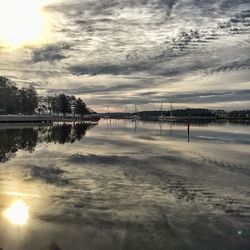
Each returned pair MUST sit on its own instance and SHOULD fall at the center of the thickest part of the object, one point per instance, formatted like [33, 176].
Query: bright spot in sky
[17, 213]
[21, 22]
[240, 232]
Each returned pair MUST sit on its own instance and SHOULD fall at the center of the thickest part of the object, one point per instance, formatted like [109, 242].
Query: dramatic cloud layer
[117, 52]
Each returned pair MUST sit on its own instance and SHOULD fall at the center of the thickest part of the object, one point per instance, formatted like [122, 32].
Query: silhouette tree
[64, 104]
[55, 104]
[81, 108]
[8, 96]
[28, 100]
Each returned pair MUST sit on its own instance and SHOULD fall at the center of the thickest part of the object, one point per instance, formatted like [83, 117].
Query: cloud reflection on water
[125, 191]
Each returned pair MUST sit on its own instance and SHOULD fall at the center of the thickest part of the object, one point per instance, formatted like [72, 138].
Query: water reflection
[13, 139]
[189, 131]
[188, 124]
[125, 189]
[17, 213]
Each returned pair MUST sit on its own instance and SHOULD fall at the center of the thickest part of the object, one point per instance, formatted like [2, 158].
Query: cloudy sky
[120, 52]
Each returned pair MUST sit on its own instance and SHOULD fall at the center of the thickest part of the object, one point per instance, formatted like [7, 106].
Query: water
[125, 185]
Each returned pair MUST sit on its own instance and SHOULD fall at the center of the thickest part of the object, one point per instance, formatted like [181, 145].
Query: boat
[163, 118]
[136, 115]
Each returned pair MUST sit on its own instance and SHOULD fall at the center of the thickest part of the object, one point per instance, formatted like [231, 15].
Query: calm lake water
[125, 185]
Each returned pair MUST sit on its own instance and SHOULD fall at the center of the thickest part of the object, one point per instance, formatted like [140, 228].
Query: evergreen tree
[64, 104]
[28, 100]
[55, 104]
[80, 107]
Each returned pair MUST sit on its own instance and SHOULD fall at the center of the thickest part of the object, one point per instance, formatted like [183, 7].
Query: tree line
[239, 113]
[14, 100]
[178, 112]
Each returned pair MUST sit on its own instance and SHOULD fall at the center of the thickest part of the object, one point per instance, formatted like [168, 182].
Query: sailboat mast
[171, 109]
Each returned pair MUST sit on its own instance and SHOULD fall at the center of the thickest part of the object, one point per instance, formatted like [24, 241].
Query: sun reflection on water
[17, 213]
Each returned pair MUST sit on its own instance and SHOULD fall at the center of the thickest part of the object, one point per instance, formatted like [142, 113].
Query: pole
[171, 109]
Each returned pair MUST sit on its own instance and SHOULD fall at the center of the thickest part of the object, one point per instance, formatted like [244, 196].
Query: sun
[17, 213]
[21, 22]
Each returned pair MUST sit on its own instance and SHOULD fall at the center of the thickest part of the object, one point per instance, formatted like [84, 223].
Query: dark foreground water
[124, 185]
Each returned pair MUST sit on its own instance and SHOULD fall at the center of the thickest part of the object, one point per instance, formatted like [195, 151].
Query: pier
[44, 119]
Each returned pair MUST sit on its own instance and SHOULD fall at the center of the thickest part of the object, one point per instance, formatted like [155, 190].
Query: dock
[44, 119]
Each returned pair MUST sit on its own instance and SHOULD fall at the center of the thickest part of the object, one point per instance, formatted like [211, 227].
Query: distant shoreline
[175, 118]
[95, 118]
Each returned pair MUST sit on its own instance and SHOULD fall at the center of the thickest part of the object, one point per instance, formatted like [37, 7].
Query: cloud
[50, 53]
[51, 175]
[180, 98]
[233, 66]
[213, 97]
[99, 69]
[98, 159]
[149, 43]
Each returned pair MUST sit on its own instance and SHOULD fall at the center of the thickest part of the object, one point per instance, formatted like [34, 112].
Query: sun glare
[17, 213]
[21, 22]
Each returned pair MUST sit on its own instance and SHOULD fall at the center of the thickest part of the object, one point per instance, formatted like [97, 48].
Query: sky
[118, 53]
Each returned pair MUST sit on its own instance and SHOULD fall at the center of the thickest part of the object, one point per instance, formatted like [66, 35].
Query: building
[221, 114]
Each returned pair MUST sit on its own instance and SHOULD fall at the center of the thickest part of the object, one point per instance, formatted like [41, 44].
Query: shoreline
[44, 119]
